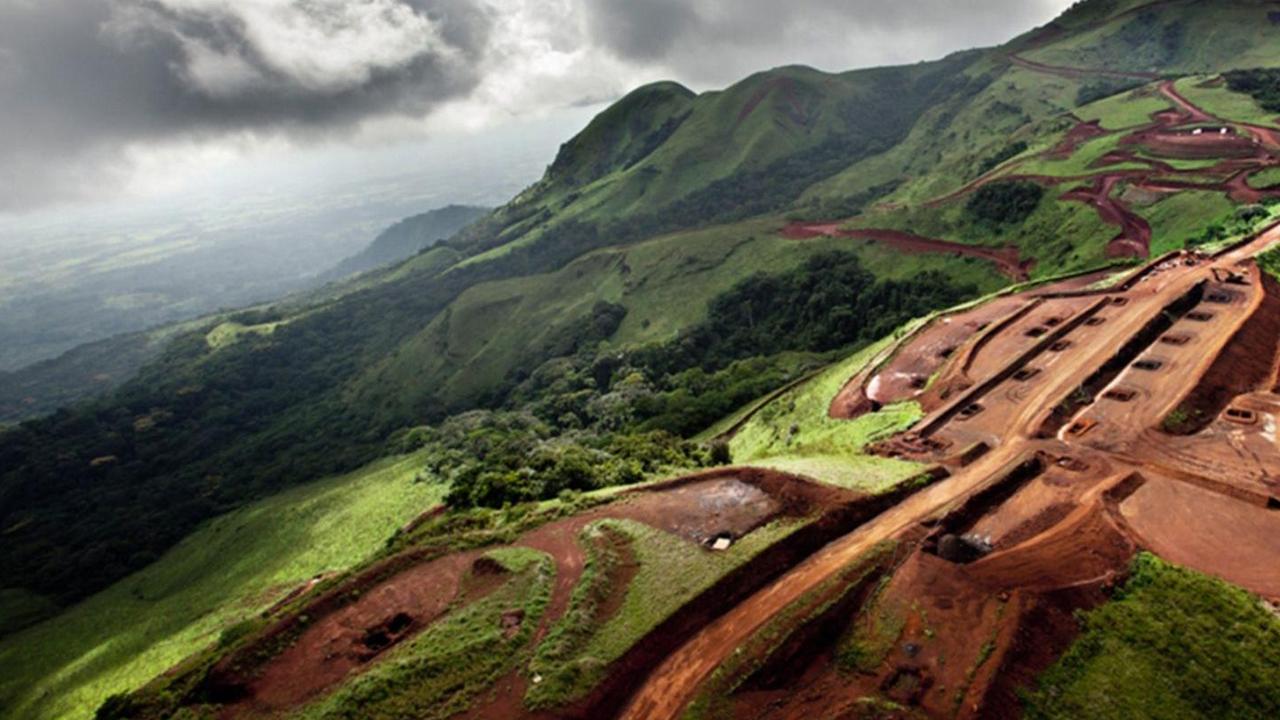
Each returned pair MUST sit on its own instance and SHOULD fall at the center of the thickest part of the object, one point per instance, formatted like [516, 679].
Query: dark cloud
[642, 30]
[81, 79]
[703, 38]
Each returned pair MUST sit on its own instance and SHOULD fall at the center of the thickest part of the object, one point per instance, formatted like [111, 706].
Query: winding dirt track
[1006, 259]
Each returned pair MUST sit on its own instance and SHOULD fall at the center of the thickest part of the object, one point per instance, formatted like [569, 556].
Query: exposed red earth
[1184, 132]
[1134, 239]
[1047, 513]
[1075, 137]
[1052, 408]
[349, 627]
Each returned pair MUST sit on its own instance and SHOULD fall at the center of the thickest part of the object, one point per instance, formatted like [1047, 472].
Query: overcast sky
[103, 98]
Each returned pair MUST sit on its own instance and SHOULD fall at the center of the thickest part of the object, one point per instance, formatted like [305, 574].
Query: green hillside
[409, 237]
[582, 300]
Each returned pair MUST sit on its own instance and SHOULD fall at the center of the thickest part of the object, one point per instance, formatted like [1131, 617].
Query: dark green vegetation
[829, 302]
[495, 460]
[408, 238]
[1269, 261]
[1262, 84]
[1099, 89]
[1004, 154]
[131, 462]
[1172, 644]
[1245, 219]
[1005, 202]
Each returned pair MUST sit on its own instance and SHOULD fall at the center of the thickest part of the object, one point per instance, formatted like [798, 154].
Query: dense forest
[1262, 84]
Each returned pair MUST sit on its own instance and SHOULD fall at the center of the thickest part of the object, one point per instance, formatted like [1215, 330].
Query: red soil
[948, 346]
[1077, 136]
[1134, 239]
[1246, 364]
[1007, 260]
[1189, 111]
[399, 598]
[1021, 602]
[705, 510]
[1209, 532]
[342, 641]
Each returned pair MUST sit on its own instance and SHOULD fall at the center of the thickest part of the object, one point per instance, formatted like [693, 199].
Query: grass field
[230, 569]
[1172, 644]
[1191, 37]
[1061, 236]
[1269, 177]
[1126, 110]
[1080, 162]
[229, 333]
[665, 284]
[1221, 102]
[1179, 218]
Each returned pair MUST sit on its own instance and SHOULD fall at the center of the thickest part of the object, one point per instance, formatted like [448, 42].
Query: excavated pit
[1247, 363]
[1087, 393]
[948, 539]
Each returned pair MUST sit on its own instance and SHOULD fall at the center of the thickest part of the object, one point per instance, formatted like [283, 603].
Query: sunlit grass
[230, 569]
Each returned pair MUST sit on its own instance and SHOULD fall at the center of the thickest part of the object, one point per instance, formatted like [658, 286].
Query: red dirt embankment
[346, 628]
[1134, 239]
[1237, 187]
[1247, 362]
[631, 671]
[1017, 607]
[1075, 137]
[1007, 260]
[697, 506]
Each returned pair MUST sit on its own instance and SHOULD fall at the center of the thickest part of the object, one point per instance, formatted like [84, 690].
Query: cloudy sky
[103, 98]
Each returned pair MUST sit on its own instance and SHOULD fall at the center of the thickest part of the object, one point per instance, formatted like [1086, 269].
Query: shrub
[1009, 202]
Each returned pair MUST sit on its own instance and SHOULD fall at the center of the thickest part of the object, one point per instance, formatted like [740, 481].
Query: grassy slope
[1266, 178]
[670, 298]
[1060, 236]
[1125, 110]
[230, 569]
[665, 284]
[794, 433]
[1173, 644]
[1203, 37]
[944, 149]
[1221, 102]
[1178, 218]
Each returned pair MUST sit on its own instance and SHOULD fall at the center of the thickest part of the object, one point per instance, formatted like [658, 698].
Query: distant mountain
[408, 238]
